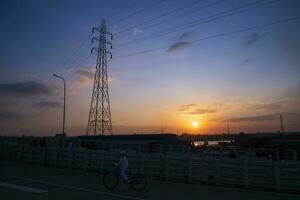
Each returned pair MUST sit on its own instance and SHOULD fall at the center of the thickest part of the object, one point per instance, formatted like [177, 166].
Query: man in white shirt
[123, 163]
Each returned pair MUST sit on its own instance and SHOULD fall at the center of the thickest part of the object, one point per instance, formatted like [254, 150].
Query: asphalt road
[24, 181]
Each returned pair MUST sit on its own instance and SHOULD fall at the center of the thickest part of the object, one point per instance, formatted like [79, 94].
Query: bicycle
[111, 179]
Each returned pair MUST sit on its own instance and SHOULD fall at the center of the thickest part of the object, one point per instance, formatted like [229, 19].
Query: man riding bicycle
[123, 164]
[111, 179]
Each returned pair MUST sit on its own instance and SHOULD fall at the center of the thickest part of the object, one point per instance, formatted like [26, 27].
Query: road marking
[75, 188]
[23, 188]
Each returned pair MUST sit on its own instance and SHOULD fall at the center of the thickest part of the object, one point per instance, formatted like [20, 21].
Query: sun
[195, 124]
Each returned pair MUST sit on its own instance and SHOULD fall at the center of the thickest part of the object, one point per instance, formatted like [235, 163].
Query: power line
[76, 59]
[184, 14]
[216, 36]
[139, 11]
[77, 50]
[81, 63]
[199, 21]
[160, 16]
[67, 61]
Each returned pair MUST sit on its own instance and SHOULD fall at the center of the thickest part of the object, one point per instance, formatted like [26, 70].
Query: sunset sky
[175, 63]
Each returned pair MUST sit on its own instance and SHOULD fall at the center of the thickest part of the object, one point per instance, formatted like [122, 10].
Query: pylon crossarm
[94, 38]
[111, 46]
[111, 35]
[94, 48]
[95, 28]
[108, 52]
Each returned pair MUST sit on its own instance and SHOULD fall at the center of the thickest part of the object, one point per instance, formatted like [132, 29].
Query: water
[210, 142]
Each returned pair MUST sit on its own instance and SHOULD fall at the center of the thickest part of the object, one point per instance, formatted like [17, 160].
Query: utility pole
[281, 124]
[64, 110]
[162, 130]
[228, 128]
[99, 121]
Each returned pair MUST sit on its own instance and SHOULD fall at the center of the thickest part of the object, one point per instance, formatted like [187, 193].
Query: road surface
[24, 181]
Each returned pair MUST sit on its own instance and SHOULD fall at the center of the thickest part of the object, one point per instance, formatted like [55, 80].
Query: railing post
[166, 167]
[189, 170]
[277, 171]
[20, 154]
[56, 158]
[71, 156]
[30, 155]
[10, 152]
[277, 156]
[1, 151]
[294, 154]
[171, 148]
[246, 174]
[217, 172]
[102, 161]
[86, 160]
[44, 157]
[141, 164]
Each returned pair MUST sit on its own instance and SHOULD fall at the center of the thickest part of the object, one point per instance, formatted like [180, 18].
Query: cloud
[253, 38]
[259, 118]
[136, 30]
[185, 107]
[47, 104]
[267, 106]
[185, 35]
[86, 75]
[178, 46]
[247, 62]
[85, 78]
[27, 88]
[191, 109]
[9, 115]
[201, 111]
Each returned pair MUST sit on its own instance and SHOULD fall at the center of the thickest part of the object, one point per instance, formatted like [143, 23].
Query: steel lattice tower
[99, 121]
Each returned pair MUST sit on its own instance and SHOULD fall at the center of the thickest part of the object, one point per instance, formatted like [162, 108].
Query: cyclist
[123, 164]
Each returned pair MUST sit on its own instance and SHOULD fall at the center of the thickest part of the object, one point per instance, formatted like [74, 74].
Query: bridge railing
[280, 176]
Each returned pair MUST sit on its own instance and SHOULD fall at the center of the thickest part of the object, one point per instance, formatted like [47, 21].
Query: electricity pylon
[99, 121]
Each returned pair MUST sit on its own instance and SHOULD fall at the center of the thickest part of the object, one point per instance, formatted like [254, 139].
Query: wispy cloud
[180, 42]
[258, 118]
[253, 38]
[47, 104]
[186, 35]
[201, 111]
[25, 89]
[9, 115]
[247, 62]
[136, 30]
[192, 109]
[267, 106]
[85, 75]
[178, 46]
[185, 107]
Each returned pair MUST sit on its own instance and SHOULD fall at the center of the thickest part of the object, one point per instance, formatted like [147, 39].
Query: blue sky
[248, 74]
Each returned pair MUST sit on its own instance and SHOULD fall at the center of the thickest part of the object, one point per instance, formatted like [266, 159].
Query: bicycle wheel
[138, 182]
[110, 180]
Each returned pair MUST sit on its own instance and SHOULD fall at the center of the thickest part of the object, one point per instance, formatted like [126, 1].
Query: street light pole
[64, 111]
